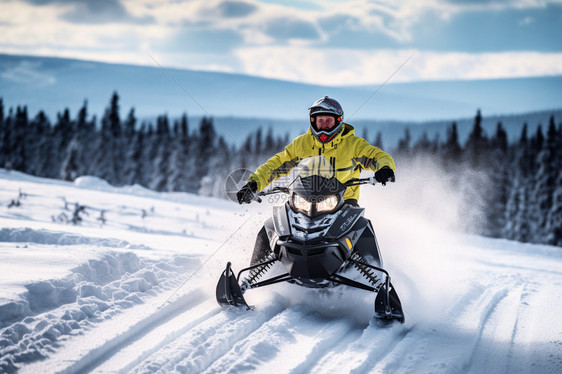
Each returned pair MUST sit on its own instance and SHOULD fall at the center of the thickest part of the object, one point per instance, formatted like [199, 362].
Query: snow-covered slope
[136, 293]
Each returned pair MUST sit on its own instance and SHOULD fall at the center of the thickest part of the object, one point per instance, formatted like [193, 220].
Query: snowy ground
[136, 293]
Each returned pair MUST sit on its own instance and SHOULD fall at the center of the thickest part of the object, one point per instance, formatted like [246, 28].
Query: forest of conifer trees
[517, 184]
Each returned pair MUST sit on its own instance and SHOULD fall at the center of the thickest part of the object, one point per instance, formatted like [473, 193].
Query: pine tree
[109, 150]
[546, 176]
[131, 155]
[553, 223]
[148, 154]
[451, 150]
[63, 134]
[130, 125]
[404, 144]
[135, 167]
[423, 146]
[476, 145]
[38, 148]
[497, 200]
[213, 184]
[246, 159]
[161, 168]
[2, 131]
[365, 133]
[378, 140]
[258, 144]
[181, 168]
[205, 148]
[516, 225]
[269, 145]
[537, 140]
[555, 215]
[87, 138]
[17, 147]
[70, 167]
[499, 141]
[7, 140]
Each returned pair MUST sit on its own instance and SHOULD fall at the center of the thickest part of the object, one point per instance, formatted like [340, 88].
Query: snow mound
[92, 183]
[98, 184]
[52, 311]
[42, 236]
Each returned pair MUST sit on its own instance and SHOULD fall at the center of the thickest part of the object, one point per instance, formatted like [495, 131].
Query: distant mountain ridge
[52, 84]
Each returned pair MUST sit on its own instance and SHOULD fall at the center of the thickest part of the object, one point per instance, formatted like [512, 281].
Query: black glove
[246, 193]
[384, 175]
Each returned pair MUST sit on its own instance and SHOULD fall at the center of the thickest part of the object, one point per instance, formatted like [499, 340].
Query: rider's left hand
[246, 193]
[384, 175]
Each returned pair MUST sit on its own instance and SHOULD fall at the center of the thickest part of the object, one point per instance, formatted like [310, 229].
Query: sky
[326, 42]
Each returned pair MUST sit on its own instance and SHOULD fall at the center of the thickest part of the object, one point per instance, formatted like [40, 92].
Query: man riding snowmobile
[332, 138]
[320, 235]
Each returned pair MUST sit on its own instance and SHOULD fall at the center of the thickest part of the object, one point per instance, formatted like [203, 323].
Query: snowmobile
[319, 239]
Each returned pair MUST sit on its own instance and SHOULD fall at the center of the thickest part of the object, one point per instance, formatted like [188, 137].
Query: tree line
[511, 190]
[163, 156]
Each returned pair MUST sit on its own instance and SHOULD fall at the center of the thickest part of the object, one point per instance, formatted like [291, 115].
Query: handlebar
[370, 180]
[274, 190]
[349, 183]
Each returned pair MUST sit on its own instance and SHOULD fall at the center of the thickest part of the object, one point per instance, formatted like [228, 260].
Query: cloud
[259, 23]
[299, 4]
[193, 39]
[94, 12]
[471, 2]
[236, 9]
[354, 67]
[351, 42]
[288, 28]
[491, 31]
[347, 31]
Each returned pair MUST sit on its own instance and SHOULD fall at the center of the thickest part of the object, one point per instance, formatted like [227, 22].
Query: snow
[136, 294]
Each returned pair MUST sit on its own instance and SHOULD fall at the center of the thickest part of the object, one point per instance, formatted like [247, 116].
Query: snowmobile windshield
[317, 165]
[315, 189]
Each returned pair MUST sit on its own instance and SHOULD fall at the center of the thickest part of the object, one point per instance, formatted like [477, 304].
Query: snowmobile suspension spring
[358, 262]
[256, 273]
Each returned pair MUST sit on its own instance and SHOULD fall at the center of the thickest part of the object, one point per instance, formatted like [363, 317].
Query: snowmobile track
[499, 320]
[197, 348]
[295, 333]
[489, 303]
[98, 355]
[382, 348]
[140, 347]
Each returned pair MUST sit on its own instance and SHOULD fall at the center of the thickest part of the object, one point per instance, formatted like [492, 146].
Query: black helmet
[326, 106]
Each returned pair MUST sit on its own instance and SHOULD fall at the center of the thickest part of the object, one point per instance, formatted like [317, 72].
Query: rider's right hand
[246, 193]
[385, 174]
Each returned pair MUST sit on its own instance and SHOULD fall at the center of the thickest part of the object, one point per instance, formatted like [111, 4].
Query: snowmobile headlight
[300, 203]
[329, 203]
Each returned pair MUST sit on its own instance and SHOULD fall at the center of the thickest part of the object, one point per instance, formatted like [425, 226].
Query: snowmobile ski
[388, 306]
[228, 290]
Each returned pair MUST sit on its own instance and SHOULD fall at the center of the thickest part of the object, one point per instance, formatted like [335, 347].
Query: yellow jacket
[351, 154]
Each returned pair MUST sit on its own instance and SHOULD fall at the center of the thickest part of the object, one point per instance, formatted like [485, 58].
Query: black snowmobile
[321, 240]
